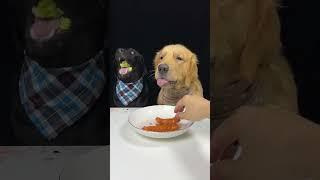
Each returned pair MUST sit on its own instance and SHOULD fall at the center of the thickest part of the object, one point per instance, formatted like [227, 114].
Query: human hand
[275, 145]
[193, 108]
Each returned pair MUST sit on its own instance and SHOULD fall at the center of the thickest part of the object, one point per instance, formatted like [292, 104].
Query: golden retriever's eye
[161, 57]
[179, 58]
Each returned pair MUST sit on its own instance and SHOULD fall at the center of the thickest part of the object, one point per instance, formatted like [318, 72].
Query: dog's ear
[156, 59]
[263, 39]
[192, 72]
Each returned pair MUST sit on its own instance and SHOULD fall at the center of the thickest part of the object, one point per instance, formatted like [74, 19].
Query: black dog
[83, 39]
[131, 76]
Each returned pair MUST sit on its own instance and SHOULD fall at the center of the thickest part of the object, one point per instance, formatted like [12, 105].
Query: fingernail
[177, 115]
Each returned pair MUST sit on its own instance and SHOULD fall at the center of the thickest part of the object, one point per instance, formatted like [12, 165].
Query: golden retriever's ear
[263, 39]
[192, 70]
[156, 59]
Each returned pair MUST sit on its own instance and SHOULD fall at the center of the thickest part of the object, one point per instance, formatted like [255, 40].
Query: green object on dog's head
[47, 9]
[125, 64]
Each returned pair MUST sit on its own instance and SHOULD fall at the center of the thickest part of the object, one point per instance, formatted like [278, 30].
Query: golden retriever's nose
[163, 68]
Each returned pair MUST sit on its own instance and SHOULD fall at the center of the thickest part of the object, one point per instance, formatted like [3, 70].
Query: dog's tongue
[162, 82]
[44, 29]
[123, 71]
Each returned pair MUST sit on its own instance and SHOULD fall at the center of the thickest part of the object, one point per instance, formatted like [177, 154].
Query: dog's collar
[225, 105]
[128, 92]
[172, 96]
[136, 82]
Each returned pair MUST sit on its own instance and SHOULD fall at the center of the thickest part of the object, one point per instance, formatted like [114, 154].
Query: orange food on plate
[162, 128]
[167, 121]
[164, 125]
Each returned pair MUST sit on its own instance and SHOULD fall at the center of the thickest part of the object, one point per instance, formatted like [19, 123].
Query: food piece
[47, 9]
[164, 125]
[65, 23]
[124, 64]
[167, 121]
[125, 68]
[48, 21]
[161, 128]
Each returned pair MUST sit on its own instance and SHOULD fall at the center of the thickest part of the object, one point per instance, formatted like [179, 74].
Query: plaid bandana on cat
[128, 92]
[55, 98]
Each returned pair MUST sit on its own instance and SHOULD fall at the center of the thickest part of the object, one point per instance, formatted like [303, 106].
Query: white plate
[146, 116]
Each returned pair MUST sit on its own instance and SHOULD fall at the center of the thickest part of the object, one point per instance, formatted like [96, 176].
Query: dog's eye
[132, 52]
[161, 57]
[179, 58]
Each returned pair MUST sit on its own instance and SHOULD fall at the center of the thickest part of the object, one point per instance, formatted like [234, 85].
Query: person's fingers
[182, 115]
[225, 135]
[179, 106]
[229, 170]
[179, 109]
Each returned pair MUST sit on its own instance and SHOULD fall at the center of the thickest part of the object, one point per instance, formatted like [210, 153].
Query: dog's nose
[163, 68]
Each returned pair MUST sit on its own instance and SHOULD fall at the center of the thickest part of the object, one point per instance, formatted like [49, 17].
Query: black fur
[83, 41]
[136, 60]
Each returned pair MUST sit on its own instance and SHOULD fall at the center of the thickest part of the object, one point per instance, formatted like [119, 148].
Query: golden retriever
[247, 65]
[176, 73]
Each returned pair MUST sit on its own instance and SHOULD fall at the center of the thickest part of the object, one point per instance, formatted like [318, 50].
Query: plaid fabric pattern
[127, 93]
[55, 98]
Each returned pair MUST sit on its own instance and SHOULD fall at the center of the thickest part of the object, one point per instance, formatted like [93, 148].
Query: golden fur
[245, 44]
[183, 70]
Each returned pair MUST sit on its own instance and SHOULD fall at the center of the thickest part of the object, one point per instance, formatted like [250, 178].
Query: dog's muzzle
[163, 69]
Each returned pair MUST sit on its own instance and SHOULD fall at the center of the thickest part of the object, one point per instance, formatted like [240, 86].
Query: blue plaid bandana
[128, 92]
[55, 98]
